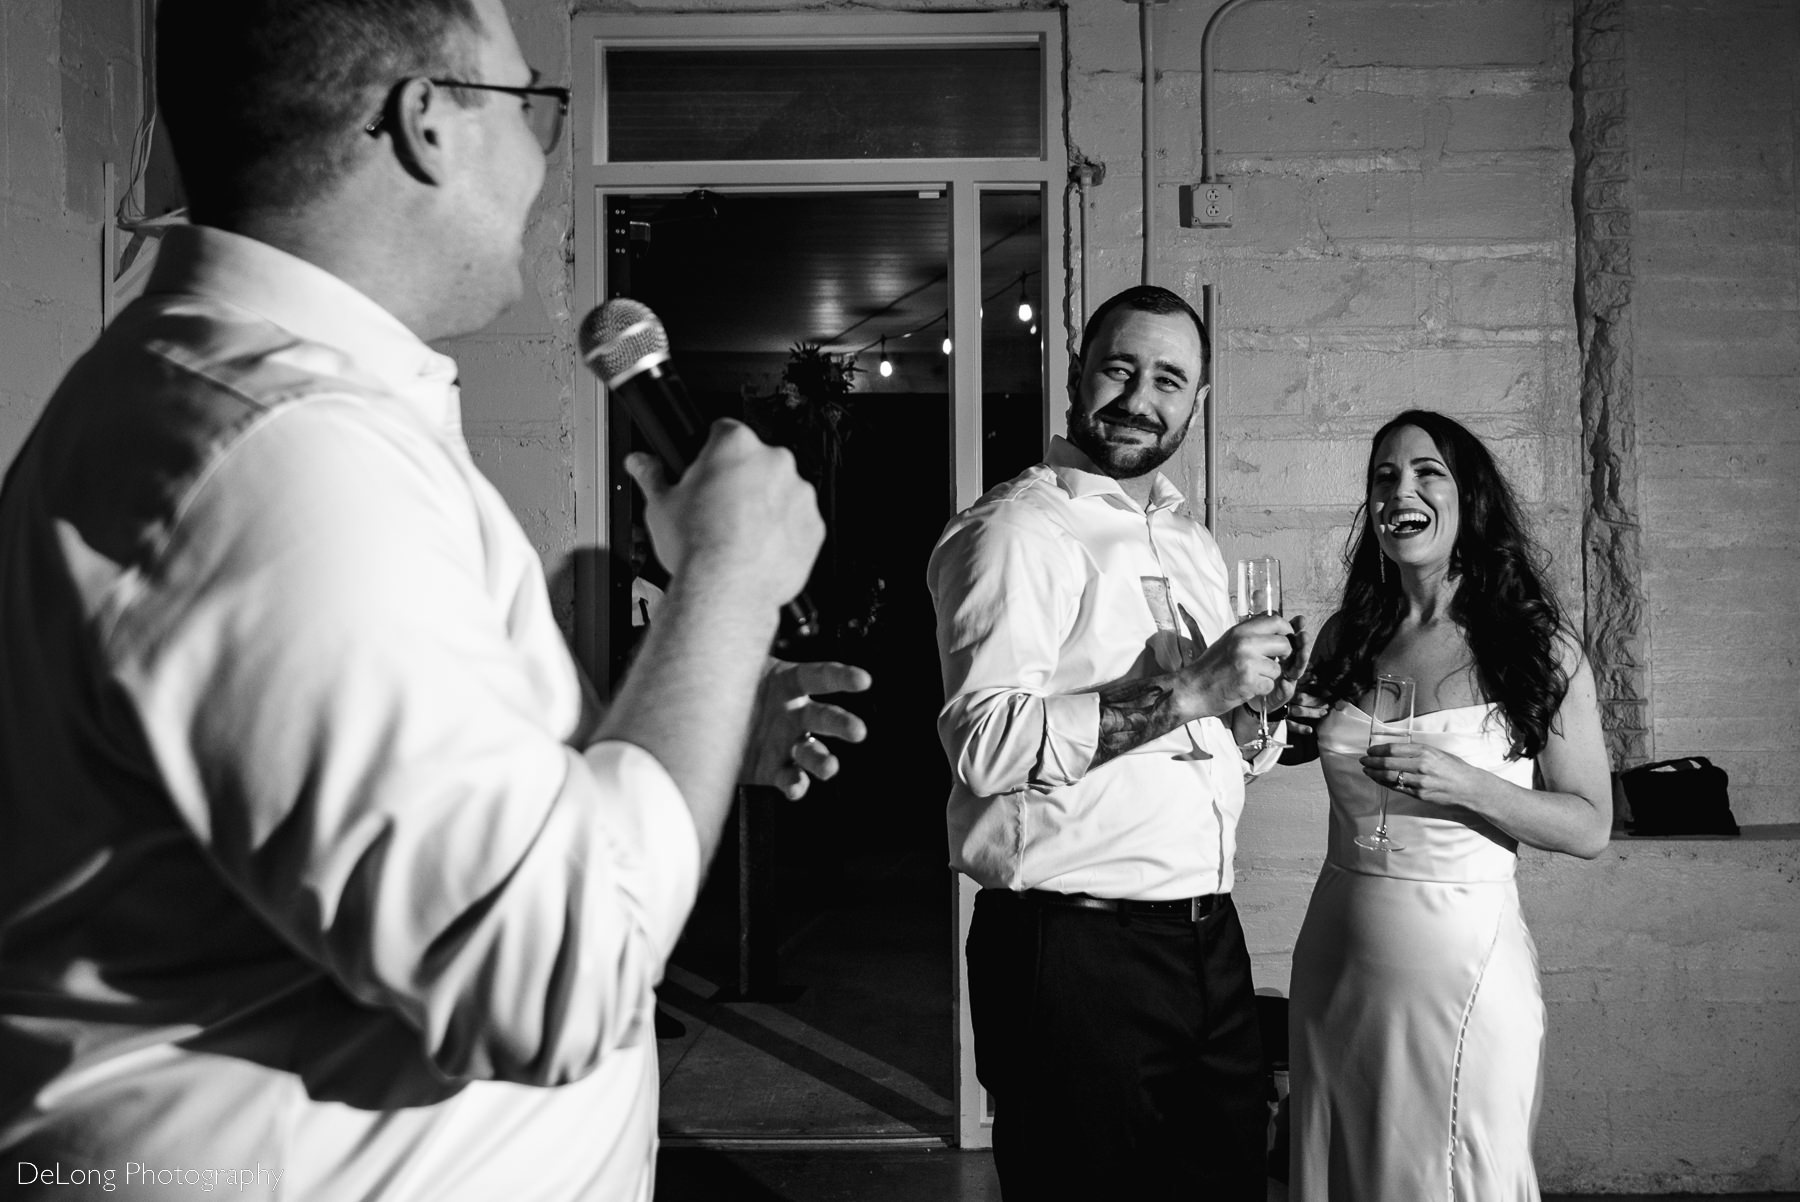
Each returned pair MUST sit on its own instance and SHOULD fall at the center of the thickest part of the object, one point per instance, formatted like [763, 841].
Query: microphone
[624, 343]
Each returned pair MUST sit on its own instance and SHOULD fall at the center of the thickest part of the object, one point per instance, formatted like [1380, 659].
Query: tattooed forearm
[1132, 712]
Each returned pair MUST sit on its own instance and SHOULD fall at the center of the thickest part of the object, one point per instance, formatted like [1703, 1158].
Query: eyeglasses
[545, 108]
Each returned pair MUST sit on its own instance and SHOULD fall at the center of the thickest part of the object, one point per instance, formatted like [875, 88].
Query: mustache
[1117, 415]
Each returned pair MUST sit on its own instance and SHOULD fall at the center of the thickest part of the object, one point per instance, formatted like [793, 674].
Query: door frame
[963, 180]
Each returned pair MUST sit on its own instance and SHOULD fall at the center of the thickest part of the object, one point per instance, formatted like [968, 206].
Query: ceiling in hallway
[842, 269]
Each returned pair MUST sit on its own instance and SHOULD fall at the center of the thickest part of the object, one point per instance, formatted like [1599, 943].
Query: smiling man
[1097, 693]
[319, 865]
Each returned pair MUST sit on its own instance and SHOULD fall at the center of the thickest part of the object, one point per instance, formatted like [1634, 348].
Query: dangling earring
[1381, 566]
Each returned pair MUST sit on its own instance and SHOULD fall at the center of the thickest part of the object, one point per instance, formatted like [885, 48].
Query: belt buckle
[1194, 913]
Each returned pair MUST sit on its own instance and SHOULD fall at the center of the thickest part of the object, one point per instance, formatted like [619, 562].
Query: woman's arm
[1307, 709]
[1572, 813]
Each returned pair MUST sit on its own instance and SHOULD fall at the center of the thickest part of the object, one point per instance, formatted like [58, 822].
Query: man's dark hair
[264, 99]
[1148, 298]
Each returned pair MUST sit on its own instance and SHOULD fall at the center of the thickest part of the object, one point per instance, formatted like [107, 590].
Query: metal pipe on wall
[1209, 294]
[1146, 40]
[1206, 86]
[1209, 417]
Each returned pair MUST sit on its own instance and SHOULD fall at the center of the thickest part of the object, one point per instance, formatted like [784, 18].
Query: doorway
[795, 195]
[812, 982]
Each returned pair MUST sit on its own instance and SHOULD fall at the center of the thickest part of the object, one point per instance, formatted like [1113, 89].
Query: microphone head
[622, 338]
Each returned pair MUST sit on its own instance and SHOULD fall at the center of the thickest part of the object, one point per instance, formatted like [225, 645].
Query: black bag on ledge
[1685, 796]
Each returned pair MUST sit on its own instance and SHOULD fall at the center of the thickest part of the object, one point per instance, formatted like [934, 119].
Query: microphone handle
[660, 408]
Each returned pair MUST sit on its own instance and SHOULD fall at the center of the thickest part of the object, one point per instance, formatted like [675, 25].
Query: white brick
[1260, 382]
[1456, 381]
[1105, 37]
[1327, 294]
[513, 382]
[1259, 115]
[1485, 205]
[1458, 33]
[1538, 120]
[1252, 37]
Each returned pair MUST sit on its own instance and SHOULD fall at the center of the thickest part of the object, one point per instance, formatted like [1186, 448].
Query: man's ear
[416, 128]
[1074, 378]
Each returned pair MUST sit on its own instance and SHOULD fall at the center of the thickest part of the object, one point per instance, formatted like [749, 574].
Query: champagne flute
[1259, 595]
[1390, 721]
[1194, 751]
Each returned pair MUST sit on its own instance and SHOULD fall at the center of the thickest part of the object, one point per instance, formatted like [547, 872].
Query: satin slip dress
[1416, 1026]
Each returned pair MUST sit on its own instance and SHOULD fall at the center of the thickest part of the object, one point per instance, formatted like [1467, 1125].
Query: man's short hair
[265, 99]
[1148, 298]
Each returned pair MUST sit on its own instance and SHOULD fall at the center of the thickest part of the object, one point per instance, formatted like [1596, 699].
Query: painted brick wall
[70, 100]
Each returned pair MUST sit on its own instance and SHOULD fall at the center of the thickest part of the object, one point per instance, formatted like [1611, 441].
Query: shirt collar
[1080, 478]
[311, 303]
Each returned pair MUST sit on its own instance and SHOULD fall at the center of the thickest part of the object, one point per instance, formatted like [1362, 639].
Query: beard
[1121, 460]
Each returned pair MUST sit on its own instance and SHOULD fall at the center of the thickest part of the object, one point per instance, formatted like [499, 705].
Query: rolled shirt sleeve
[1007, 595]
[365, 715]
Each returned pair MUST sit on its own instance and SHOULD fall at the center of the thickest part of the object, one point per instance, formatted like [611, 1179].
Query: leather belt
[1191, 908]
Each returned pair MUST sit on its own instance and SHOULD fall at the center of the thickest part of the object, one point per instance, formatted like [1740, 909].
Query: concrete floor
[857, 1040]
[913, 1175]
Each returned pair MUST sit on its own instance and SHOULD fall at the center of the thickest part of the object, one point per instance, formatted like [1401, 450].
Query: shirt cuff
[653, 831]
[1071, 738]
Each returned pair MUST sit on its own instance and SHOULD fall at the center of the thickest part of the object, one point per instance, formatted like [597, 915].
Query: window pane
[675, 105]
[1012, 345]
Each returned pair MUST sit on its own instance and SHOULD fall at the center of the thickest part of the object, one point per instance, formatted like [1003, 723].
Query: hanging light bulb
[886, 368]
[1024, 302]
[946, 344]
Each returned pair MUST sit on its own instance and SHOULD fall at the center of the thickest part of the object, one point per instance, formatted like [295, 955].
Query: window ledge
[1764, 832]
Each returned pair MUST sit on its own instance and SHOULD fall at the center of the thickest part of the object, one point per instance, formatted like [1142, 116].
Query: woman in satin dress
[1416, 1023]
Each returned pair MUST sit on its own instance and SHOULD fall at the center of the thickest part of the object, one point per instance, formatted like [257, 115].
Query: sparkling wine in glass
[1390, 721]
[1259, 595]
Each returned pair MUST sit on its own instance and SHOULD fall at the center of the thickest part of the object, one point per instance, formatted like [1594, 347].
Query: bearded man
[1097, 693]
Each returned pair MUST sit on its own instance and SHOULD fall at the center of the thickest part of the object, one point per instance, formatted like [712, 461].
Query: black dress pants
[1121, 1051]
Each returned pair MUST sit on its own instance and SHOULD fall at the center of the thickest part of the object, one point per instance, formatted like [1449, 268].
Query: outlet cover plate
[1205, 205]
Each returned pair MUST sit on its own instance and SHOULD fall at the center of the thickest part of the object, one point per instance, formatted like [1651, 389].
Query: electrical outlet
[1205, 205]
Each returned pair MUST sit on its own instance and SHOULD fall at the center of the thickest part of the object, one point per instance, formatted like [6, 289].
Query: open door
[832, 225]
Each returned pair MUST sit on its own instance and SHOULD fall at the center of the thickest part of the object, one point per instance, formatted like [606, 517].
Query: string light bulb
[1024, 302]
[946, 344]
[887, 368]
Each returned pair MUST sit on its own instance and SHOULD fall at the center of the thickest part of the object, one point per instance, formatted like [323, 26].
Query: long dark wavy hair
[1510, 619]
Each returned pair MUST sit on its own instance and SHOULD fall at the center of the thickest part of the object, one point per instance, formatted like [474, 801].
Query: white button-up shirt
[1049, 587]
[307, 871]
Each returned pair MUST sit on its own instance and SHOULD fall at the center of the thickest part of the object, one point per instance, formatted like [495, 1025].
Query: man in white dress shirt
[322, 875]
[1098, 693]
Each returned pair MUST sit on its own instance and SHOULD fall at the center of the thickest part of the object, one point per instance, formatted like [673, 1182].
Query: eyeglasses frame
[524, 91]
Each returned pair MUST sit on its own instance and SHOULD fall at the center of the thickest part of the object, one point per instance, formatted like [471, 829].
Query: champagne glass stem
[1390, 720]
